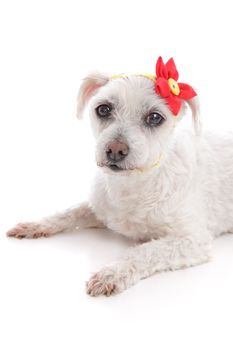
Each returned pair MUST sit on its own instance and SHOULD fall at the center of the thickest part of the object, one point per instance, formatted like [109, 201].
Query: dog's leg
[81, 216]
[144, 260]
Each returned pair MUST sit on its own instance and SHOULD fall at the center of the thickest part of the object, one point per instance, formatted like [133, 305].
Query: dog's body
[193, 187]
[176, 207]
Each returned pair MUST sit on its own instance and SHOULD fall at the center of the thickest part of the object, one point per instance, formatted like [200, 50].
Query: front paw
[29, 230]
[108, 281]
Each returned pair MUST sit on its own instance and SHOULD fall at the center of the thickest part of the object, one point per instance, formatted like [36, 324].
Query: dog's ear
[88, 88]
[195, 108]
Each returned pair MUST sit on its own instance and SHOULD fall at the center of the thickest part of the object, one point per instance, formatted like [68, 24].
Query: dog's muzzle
[115, 153]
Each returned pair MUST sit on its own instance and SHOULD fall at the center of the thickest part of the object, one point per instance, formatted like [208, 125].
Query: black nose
[117, 151]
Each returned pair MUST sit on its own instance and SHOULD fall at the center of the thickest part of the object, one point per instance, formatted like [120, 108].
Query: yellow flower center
[174, 87]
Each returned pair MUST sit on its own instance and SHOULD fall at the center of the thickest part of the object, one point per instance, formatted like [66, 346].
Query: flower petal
[161, 69]
[174, 104]
[161, 87]
[171, 69]
[186, 91]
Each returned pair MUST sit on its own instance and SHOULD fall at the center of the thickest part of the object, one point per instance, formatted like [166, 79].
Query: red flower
[167, 87]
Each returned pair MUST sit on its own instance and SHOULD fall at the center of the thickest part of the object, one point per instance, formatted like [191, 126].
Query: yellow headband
[152, 77]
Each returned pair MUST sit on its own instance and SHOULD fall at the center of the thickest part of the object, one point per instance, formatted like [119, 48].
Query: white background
[47, 164]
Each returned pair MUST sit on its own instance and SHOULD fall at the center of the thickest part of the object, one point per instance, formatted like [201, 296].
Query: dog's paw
[29, 230]
[105, 282]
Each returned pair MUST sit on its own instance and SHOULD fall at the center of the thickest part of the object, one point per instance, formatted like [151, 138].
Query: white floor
[43, 304]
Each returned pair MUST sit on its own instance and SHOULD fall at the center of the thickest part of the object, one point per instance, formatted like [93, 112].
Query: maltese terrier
[168, 190]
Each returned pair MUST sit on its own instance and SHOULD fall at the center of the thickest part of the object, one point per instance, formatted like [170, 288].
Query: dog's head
[132, 124]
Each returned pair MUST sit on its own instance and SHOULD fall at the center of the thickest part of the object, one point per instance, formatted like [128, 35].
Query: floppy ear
[195, 108]
[88, 88]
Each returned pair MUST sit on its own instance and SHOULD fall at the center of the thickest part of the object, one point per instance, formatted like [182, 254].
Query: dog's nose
[117, 151]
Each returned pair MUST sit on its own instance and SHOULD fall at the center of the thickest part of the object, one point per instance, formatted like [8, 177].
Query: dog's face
[133, 126]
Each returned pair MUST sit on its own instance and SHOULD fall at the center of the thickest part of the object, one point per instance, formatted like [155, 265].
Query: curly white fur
[176, 209]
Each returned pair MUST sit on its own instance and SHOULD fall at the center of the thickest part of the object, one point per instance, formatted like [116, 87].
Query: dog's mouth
[111, 167]
[114, 167]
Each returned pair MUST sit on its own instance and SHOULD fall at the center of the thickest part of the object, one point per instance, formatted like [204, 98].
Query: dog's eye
[154, 119]
[103, 111]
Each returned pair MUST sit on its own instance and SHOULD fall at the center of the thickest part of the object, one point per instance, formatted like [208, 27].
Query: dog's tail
[195, 109]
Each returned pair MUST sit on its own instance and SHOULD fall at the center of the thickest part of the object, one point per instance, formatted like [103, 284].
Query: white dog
[171, 191]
